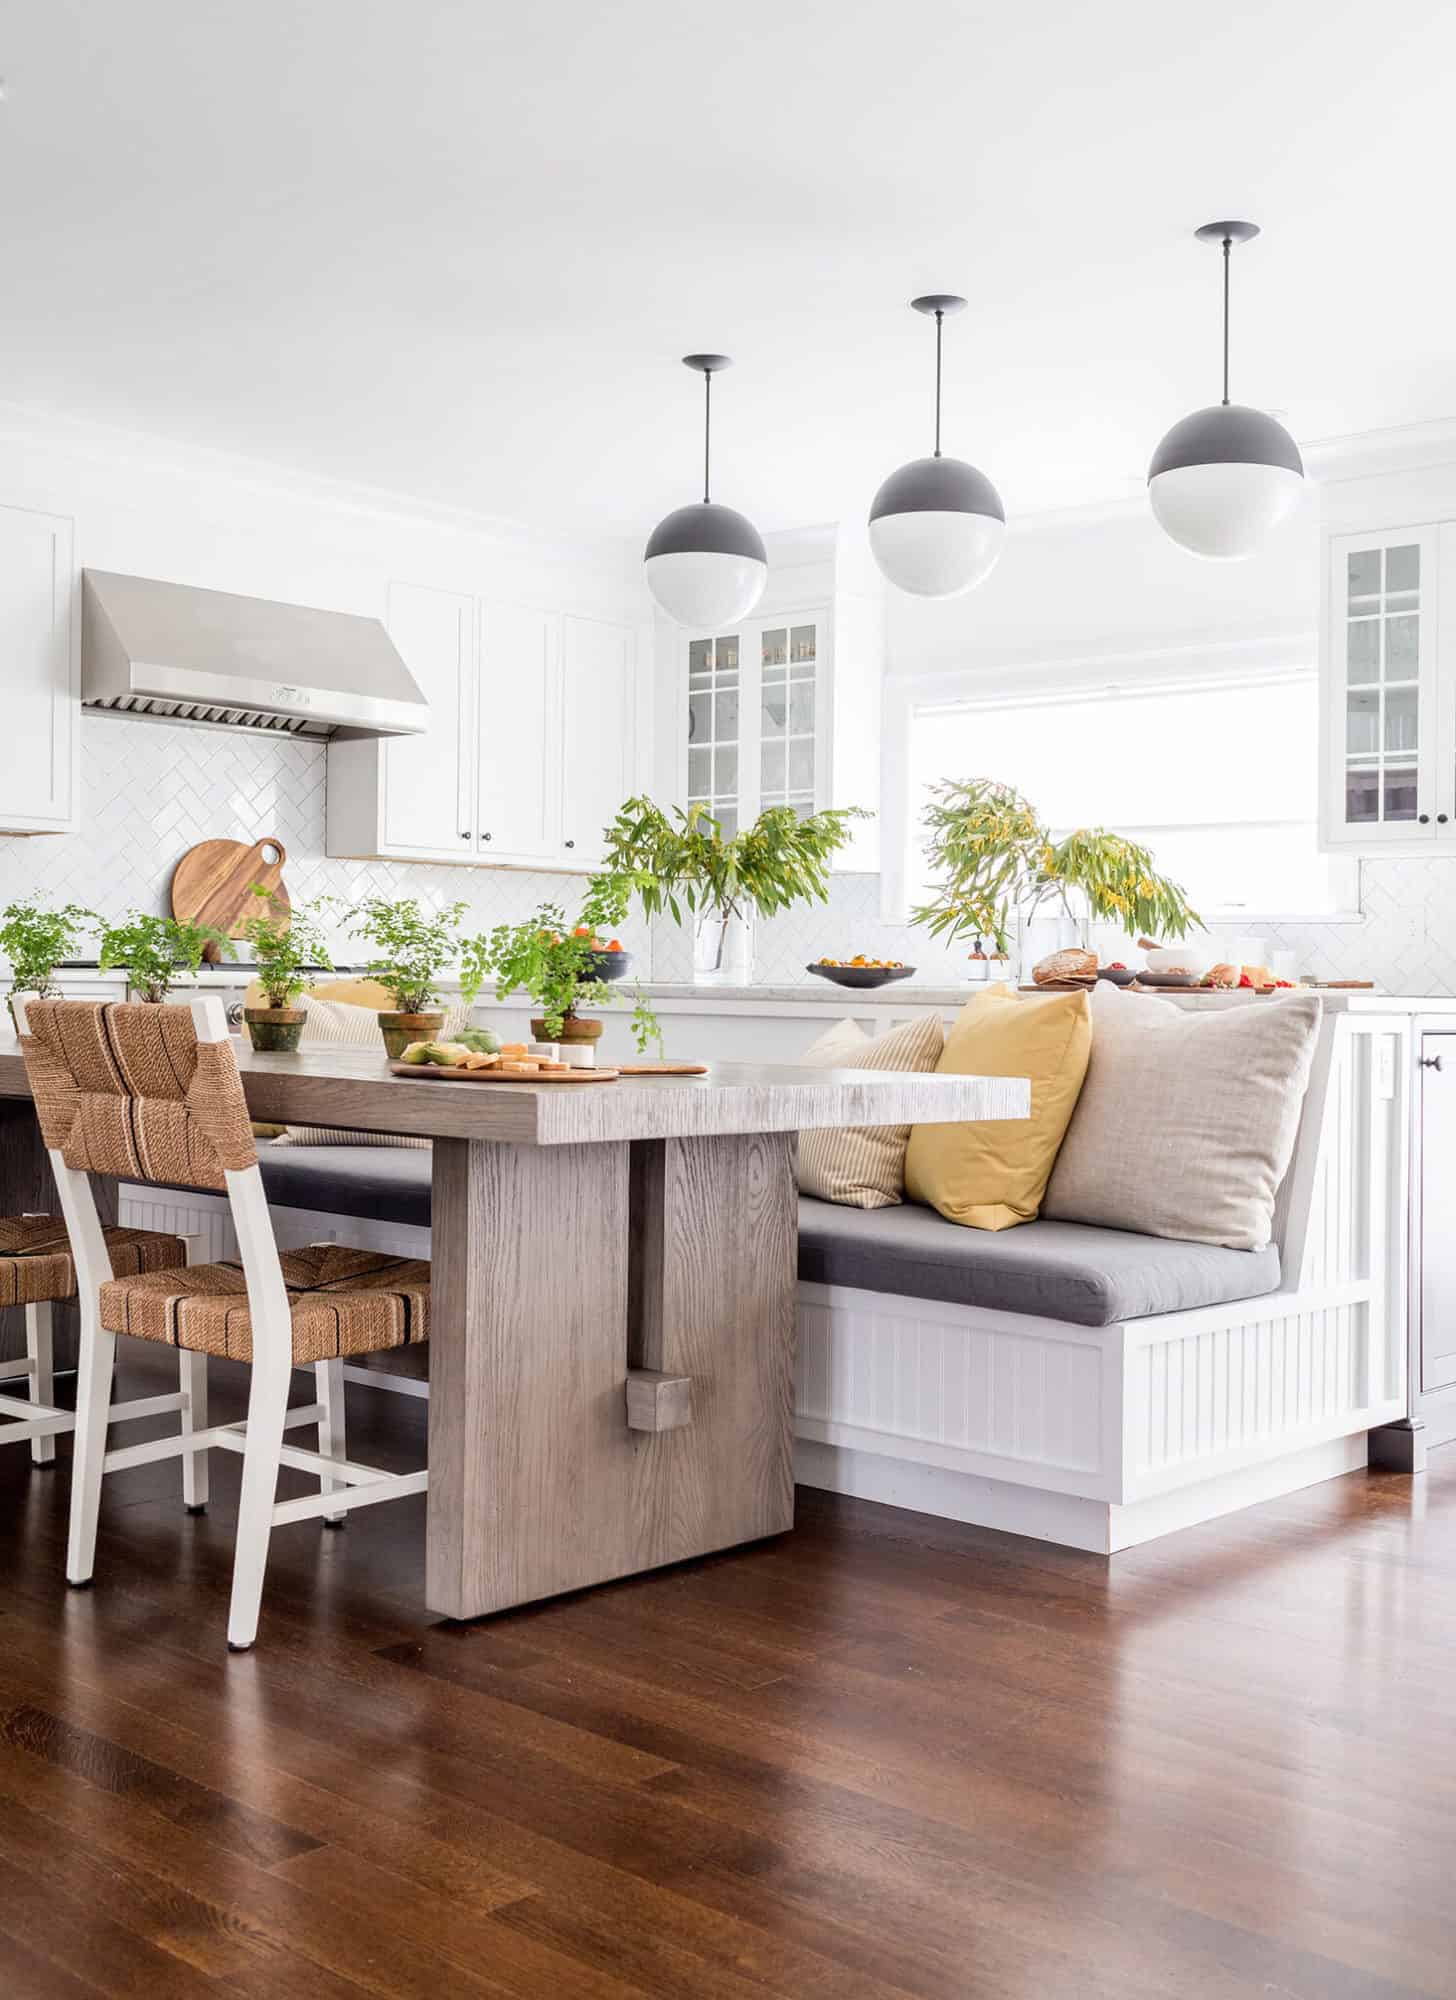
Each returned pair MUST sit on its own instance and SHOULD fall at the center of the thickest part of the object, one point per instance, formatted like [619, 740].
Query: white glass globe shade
[703, 587]
[1223, 511]
[932, 554]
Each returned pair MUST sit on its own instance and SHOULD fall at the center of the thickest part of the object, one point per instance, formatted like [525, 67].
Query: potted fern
[413, 952]
[679, 861]
[563, 968]
[154, 951]
[288, 945]
[993, 859]
[35, 940]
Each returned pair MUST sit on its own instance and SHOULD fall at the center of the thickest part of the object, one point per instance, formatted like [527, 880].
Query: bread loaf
[1073, 967]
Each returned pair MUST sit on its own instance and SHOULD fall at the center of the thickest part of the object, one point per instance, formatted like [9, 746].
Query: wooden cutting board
[436, 1073]
[662, 1069]
[213, 884]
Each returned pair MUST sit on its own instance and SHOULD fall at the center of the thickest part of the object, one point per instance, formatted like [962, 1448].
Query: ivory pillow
[863, 1166]
[991, 1174]
[1188, 1118]
[342, 1022]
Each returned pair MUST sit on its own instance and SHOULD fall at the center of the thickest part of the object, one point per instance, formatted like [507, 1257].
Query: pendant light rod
[707, 365]
[1227, 234]
[939, 304]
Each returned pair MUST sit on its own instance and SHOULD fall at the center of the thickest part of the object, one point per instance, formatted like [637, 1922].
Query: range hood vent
[206, 656]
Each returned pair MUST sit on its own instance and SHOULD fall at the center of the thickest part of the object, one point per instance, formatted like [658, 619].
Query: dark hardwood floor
[884, 1755]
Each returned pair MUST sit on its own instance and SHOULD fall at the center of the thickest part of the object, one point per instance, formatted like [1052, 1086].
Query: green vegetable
[432, 1052]
[417, 1052]
[481, 1040]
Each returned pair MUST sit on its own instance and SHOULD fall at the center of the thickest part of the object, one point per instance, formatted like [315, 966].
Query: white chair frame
[40, 1419]
[260, 1439]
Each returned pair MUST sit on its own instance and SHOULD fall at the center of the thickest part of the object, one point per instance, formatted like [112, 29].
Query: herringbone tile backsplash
[150, 790]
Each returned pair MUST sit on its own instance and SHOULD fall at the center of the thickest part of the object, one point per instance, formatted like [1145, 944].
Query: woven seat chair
[152, 1093]
[37, 1272]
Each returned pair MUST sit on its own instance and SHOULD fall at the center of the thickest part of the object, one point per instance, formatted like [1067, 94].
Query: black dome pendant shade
[706, 563]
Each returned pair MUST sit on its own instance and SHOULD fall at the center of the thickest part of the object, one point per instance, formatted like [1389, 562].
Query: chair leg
[94, 1374]
[329, 1376]
[267, 1408]
[192, 1381]
[40, 1353]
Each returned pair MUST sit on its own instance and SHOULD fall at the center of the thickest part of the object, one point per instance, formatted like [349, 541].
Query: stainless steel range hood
[167, 650]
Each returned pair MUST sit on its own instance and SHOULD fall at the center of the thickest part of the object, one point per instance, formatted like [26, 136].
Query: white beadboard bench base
[1094, 1437]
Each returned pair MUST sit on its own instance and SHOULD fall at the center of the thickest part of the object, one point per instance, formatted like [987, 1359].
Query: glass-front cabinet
[1389, 696]
[756, 718]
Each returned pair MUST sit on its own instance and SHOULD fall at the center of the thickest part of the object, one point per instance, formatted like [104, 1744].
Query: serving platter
[435, 1073]
[862, 976]
[662, 1069]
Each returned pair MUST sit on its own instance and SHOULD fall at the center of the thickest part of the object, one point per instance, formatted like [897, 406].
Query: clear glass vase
[722, 949]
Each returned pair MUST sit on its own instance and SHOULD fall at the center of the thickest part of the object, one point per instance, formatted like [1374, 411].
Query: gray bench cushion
[387, 1183]
[1059, 1270]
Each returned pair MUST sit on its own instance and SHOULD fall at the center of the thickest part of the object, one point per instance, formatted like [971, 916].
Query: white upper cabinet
[429, 780]
[39, 673]
[755, 730]
[597, 734]
[519, 729]
[530, 748]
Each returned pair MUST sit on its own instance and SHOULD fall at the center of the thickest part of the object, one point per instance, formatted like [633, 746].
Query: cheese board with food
[503, 1073]
[477, 1057]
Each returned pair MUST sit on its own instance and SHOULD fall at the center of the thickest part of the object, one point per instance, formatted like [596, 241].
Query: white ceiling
[455, 248]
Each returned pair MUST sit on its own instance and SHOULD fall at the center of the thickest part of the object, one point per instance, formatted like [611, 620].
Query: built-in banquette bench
[1083, 1385]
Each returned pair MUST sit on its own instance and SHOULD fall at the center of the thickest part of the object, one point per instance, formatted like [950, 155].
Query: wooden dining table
[613, 1309]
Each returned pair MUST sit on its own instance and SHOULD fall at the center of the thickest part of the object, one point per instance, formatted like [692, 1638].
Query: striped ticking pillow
[863, 1166]
[338, 1023]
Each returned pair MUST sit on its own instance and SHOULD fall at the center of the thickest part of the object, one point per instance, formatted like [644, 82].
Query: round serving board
[213, 884]
[662, 1069]
[434, 1073]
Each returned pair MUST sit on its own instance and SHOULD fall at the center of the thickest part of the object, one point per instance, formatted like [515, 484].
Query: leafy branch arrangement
[677, 859]
[415, 950]
[993, 855]
[35, 941]
[288, 945]
[556, 964]
[153, 950]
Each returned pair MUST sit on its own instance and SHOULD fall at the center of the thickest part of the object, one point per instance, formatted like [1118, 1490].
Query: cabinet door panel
[519, 733]
[597, 733]
[428, 779]
[1382, 716]
[1438, 1204]
[41, 699]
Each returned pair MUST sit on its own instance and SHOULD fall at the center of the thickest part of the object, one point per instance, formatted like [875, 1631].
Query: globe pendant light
[937, 525]
[706, 565]
[1224, 477]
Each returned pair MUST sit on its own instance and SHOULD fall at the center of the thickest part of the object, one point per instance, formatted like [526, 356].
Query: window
[1221, 782]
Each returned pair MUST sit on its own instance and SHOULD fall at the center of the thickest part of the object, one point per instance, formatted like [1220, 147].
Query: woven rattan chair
[37, 1272]
[152, 1093]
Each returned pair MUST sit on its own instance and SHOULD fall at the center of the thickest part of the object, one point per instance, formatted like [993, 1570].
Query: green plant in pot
[560, 966]
[993, 857]
[679, 861]
[288, 945]
[154, 951]
[35, 940]
[414, 950]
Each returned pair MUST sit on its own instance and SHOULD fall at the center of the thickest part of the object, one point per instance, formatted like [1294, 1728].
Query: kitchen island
[589, 1239]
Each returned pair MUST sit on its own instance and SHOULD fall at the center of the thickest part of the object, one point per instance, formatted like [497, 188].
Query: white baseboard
[1098, 1526]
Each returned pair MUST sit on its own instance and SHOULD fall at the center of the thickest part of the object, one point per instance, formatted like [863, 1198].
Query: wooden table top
[352, 1087]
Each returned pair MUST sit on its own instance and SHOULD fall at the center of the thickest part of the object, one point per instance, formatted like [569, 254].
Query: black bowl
[1118, 975]
[862, 976]
[607, 965]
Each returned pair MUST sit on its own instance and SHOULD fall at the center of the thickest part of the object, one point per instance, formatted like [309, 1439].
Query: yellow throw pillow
[863, 1166]
[993, 1174]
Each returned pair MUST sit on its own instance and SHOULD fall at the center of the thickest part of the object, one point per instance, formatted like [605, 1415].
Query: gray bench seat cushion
[1058, 1270]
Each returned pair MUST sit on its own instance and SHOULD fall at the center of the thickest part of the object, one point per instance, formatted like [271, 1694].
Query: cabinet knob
[571, 843]
[1424, 818]
[464, 833]
[1440, 819]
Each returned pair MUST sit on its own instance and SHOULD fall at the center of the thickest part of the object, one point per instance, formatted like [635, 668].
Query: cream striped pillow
[339, 1023]
[863, 1166]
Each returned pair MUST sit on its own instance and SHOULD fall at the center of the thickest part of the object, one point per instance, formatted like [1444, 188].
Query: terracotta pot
[399, 1030]
[275, 1030]
[572, 1030]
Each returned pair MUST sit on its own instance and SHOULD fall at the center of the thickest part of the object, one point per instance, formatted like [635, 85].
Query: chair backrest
[146, 1092]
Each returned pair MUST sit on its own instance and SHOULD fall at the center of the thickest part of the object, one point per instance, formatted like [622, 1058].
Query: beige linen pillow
[992, 1173]
[340, 1023]
[863, 1166]
[1188, 1118]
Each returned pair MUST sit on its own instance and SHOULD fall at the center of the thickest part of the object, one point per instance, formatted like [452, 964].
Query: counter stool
[37, 1272]
[152, 1093]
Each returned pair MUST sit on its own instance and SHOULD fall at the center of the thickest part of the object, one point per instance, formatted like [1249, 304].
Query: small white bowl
[1176, 958]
